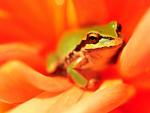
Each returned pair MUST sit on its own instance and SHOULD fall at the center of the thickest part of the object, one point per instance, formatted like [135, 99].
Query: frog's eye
[93, 38]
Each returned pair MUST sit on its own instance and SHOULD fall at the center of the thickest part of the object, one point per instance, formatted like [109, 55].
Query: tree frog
[86, 50]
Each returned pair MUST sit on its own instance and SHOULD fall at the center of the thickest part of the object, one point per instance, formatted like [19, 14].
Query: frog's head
[101, 47]
[97, 39]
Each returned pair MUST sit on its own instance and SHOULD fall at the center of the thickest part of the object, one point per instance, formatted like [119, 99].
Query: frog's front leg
[78, 78]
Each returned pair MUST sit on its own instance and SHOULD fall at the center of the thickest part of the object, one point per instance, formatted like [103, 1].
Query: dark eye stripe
[82, 44]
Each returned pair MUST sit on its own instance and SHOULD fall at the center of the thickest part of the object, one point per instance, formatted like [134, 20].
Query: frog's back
[69, 41]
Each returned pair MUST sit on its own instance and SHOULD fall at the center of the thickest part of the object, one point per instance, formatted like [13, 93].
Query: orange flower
[30, 29]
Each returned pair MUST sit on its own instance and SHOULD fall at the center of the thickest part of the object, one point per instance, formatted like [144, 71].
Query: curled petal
[19, 51]
[134, 61]
[76, 100]
[49, 104]
[103, 101]
[19, 82]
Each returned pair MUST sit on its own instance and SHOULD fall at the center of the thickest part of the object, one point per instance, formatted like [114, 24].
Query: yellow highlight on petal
[109, 83]
[59, 2]
[3, 14]
[71, 14]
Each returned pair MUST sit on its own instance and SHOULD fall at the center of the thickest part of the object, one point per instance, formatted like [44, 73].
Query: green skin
[71, 39]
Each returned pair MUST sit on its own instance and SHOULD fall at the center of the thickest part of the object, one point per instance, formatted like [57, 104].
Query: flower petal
[49, 104]
[102, 101]
[140, 102]
[5, 107]
[99, 11]
[116, 111]
[31, 21]
[18, 82]
[76, 100]
[90, 12]
[124, 13]
[134, 61]
[19, 51]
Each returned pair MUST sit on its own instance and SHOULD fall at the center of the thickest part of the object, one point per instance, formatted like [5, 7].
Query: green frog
[86, 50]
